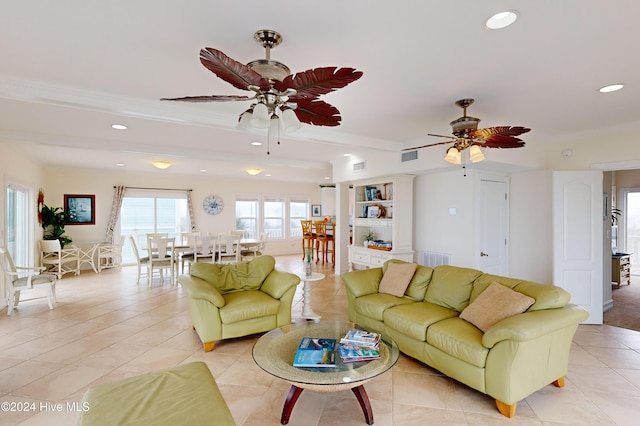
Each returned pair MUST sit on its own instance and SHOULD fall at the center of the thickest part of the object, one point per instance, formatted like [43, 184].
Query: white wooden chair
[110, 255]
[229, 249]
[257, 249]
[58, 260]
[161, 257]
[187, 255]
[204, 249]
[19, 278]
[140, 260]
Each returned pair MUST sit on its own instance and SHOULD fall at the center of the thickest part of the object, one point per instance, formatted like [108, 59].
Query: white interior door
[577, 238]
[493, 220]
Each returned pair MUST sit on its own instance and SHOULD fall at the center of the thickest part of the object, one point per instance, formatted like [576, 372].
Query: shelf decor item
[308, 252]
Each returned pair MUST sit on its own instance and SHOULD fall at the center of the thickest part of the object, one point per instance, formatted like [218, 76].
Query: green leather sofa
[512, 359]
[227, 301]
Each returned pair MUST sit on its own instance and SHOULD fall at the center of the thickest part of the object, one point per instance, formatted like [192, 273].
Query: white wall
[60, 181]
[437, 230]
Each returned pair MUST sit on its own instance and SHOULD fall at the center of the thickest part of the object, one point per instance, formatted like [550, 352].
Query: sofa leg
[559, 383]
[208, 346]
[506, 409]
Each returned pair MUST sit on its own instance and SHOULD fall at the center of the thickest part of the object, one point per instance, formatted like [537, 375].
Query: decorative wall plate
[212, 204]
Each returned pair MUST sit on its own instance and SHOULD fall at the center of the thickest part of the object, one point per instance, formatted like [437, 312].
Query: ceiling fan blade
[212, 98]
[312, 83]
[442, 136]
[500, 137]
[317, 112]
[431, 144]
[233, 72]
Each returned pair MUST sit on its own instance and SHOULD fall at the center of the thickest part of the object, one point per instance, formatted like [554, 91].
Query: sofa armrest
[278, 282]
[198, 288]
[363, 282]
[530, 325]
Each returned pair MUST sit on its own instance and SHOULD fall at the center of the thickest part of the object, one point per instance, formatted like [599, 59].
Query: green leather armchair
[227, 301]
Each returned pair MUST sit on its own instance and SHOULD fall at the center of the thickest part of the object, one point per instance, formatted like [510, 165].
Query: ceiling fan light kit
[467, 135]
[281, 101]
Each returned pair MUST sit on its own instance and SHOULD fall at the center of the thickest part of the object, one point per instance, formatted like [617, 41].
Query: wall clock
[212, 204]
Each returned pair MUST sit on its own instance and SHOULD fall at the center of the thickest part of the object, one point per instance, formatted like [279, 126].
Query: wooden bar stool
[324, 242]
[308, 237]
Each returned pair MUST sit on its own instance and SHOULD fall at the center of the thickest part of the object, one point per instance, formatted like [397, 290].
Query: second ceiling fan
[467, 135]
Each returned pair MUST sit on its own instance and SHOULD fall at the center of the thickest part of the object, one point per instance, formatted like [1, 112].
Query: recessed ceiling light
[501, 20]
[119, 126]
[120, 164]
[256, 143]
[203, 170]
[268, 175]
[611, 88]
[327, 177]
[347, 155]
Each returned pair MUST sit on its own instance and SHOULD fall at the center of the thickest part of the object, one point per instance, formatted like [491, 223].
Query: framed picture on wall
[80, 209]
[315, 210]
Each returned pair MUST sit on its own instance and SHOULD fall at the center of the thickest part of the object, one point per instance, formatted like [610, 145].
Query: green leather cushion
[413, 319]
[374, 305]
[239, 276]
[244, 305]
[459, 339]
[451, 286]
[418, 284]
[547, 296]
[183, 395]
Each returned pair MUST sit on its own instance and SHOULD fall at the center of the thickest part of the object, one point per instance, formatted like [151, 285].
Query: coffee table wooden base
[294, 394]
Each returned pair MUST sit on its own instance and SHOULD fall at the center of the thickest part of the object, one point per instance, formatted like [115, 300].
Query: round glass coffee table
[274, 353]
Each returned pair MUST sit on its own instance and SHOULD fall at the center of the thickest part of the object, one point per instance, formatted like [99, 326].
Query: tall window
[279, 216]
[143, 212]
[274, 209]
[247, 215]
[19, 224]
[298, 210]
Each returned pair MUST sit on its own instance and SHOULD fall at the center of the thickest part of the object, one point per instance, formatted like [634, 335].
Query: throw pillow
[396, 278]
[494, 304]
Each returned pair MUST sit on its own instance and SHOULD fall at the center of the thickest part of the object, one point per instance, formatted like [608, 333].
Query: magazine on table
[315, 352]
[362, 338]
[352, 353]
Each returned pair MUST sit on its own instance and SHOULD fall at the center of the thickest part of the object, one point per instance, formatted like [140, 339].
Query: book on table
[315, 352]
[352, 353]
[361, 338]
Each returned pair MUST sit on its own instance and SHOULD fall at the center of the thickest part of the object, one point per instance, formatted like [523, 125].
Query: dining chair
[19, 278]
[204, 249]
[228, 249]
[308, 237]
[110, 255]
[58, 260]
[185, 255]
[324, 242]
[256, 249]
[161, 257]
[242, 233]
[158, 234]
[140, 260]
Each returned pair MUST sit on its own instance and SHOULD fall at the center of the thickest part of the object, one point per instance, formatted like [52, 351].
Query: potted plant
[53, 221]
[368, 238]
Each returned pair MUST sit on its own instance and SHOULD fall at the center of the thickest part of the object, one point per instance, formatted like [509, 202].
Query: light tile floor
[106, 327]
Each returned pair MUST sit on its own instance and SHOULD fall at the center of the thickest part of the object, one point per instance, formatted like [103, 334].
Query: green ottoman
[183, 395]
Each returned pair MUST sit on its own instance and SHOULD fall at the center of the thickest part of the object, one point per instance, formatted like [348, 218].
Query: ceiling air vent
[409, 156]
[358, 167]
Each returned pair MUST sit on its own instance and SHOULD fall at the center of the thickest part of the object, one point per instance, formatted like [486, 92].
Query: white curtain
[192, 218]
[115, 211]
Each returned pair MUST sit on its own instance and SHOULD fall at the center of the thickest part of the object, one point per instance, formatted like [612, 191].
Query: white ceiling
[70, 69]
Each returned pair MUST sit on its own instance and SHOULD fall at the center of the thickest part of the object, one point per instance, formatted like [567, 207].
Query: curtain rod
[157, 189]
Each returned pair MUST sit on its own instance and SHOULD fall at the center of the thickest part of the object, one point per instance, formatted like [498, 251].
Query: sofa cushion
[413, 319]
[546, 296]
[234, 277]
[396, 278]
[418, 284]
[451, 286]
[374, 305]
[243, 305]
[494, 304]
[459, 339]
